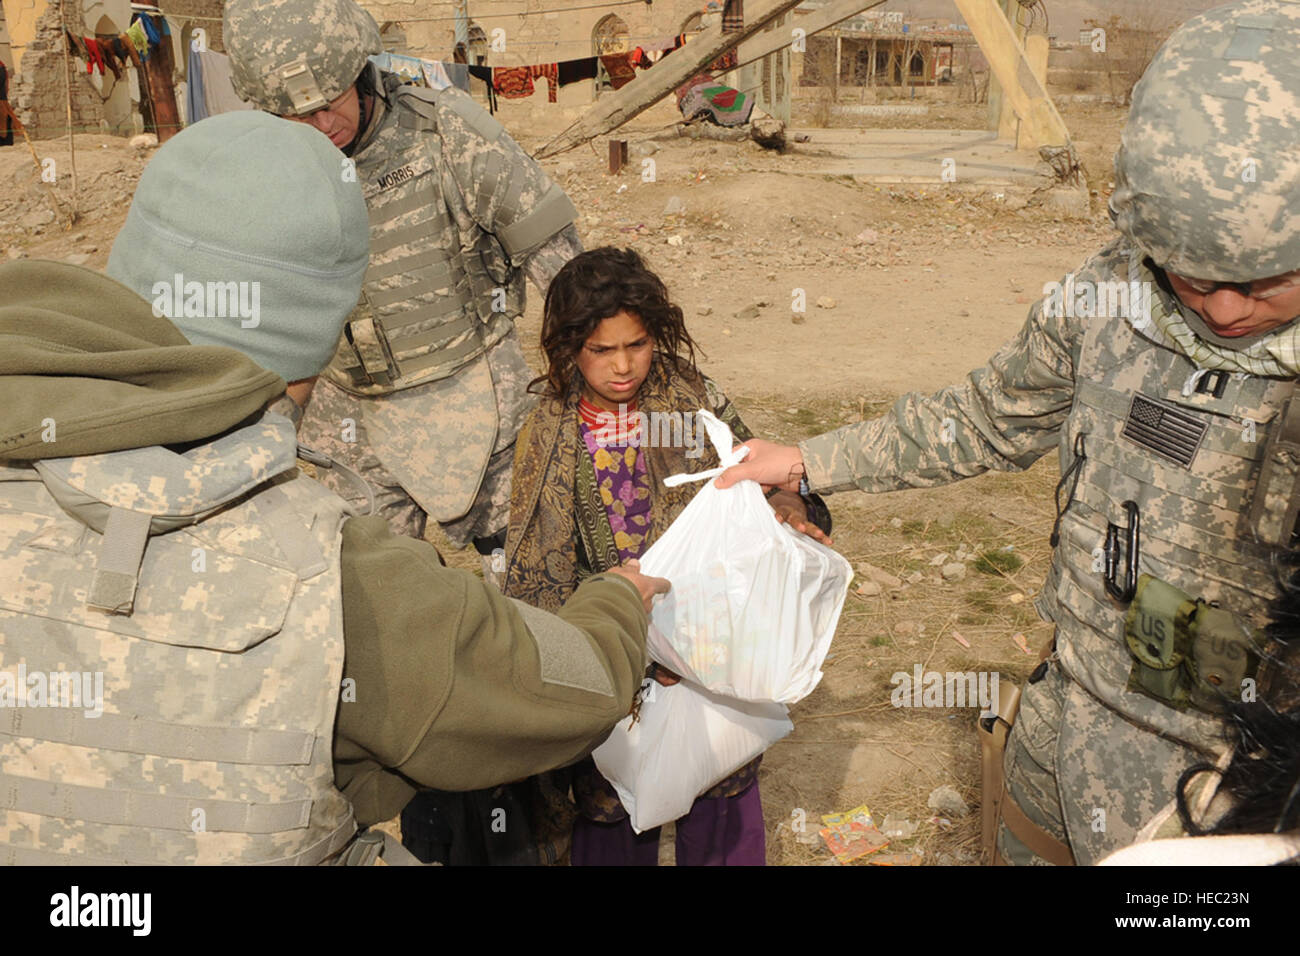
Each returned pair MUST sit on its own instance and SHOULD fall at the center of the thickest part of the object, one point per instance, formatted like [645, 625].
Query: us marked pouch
[1156, 632]
[1224, 654]
[1186, 653]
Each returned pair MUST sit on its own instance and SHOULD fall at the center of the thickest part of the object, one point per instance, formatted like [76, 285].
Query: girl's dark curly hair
[597, 285]
[1263, 778]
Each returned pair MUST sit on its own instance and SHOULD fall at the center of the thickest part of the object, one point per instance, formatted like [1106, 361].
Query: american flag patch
[1164, 429]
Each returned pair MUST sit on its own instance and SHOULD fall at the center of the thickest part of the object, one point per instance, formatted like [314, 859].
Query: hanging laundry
[150, 29]
[459, 75]
[408, 68]
[620, 69]
[662, 46]
[139, 39]
[131, 52]
[219, 94]
[550, 72]
[574, 71]
[120, 49]
[8, 118]
[76, 45]
[106, 57]
[93, 59]
[513, 82]
[484, 73]
[435, 75]
[733, 16]
[196, 106]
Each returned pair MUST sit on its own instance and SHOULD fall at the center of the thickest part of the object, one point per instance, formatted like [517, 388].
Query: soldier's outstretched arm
[543, 264]
[1004, 417]
[458, 687]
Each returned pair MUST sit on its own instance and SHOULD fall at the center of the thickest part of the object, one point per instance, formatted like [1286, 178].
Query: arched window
[115, 93]
[609, 36]
[478, 47]
[692, 26]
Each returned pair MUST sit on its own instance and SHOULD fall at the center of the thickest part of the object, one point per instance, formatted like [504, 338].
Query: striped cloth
[1276, 355]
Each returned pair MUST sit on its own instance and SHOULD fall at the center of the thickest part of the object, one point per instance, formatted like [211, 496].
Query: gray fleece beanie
[249, 231]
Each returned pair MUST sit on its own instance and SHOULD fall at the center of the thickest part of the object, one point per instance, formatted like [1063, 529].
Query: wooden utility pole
[1041, 124]
[1008, 125]
[1037, 52]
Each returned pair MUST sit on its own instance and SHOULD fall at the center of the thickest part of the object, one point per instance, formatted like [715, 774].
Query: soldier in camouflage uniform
[428, 388]
[1174, 418]
[204, 658]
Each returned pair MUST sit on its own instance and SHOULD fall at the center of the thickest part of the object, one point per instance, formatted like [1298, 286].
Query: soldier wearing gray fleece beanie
[272, 274]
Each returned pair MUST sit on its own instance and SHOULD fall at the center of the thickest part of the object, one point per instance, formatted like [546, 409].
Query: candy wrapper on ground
[852, 834]
[754, 604]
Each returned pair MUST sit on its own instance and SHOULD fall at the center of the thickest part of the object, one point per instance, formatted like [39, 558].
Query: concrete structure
[880, 49]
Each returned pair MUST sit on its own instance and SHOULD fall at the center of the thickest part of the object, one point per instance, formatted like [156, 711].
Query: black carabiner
[1124, 593]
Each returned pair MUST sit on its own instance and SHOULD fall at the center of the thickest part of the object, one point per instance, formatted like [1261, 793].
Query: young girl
[588, 495]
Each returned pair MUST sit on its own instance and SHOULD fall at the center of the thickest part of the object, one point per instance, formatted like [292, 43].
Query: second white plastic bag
[684, 741]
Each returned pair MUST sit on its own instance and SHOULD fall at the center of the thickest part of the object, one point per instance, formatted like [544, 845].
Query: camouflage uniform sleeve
[1005, 417]
[542, 266]
[506, 192]
[458, 687]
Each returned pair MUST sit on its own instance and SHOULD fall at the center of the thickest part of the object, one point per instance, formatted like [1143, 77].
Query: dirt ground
[906, 289]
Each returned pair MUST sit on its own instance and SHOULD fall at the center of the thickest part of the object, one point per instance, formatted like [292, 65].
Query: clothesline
[521, 15]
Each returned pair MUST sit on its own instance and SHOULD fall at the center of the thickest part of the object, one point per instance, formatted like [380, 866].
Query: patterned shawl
[559, 532]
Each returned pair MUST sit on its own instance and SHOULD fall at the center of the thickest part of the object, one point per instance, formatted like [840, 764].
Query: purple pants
[718, 831]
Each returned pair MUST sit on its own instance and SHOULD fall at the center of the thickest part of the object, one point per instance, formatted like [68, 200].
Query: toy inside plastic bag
[683, 741]
[754, 603]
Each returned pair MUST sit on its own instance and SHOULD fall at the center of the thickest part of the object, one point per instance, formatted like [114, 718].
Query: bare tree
[1127, 45]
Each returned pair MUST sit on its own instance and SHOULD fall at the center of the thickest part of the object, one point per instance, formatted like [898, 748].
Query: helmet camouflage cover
[1207, 177]
[290, 57]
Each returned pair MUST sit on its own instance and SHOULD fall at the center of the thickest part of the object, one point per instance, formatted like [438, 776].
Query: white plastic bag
[754, 604]
[684, 741]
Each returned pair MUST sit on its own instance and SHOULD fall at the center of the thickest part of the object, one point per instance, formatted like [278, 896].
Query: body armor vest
[1189, 464]
[200, 592]
[439, 291]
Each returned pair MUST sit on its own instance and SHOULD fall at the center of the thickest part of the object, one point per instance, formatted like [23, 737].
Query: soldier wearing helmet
[427, 389]
[1163, 372]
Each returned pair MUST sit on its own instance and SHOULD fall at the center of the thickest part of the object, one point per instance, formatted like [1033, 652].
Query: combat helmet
[1207, 176]
[290, 57]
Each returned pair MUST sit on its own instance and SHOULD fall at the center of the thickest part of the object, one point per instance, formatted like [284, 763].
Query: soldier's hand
[789, 508]
[663, 676]
[646, 585]
[770, 464]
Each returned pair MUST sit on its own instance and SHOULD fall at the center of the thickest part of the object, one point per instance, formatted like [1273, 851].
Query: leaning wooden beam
[651, 86]
[1040, 121]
